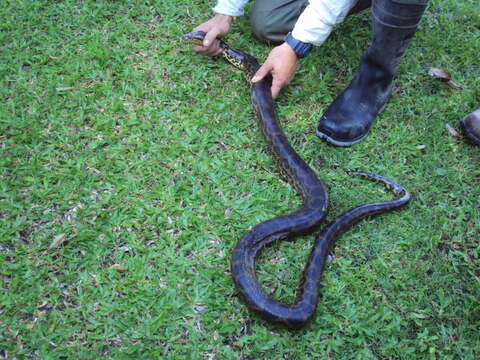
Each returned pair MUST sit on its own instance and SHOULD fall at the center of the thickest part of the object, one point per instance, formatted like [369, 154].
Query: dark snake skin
[302, 221]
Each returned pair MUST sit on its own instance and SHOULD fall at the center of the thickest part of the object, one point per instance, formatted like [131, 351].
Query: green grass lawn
[145, 162]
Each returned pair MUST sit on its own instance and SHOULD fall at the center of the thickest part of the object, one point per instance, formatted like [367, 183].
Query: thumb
[262, 72]
[209, 37]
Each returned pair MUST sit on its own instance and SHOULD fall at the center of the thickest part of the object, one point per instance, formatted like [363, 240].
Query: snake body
[302, 221]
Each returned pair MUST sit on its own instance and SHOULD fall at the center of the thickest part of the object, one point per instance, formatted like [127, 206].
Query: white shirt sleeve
[230, 7]
[318, 19]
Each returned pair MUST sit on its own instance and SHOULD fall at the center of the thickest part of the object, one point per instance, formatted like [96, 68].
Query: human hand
[215, 28]
[282, 62]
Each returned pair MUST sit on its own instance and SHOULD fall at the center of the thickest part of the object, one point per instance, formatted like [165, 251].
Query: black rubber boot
[471, 126]
[349, 118]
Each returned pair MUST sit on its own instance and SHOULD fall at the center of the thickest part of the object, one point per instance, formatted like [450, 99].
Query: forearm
[230, 7]
[319, 19]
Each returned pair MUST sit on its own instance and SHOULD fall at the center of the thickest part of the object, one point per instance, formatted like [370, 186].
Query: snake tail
[297, 314]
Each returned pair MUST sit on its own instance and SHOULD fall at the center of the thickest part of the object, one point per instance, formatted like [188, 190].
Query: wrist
[224, 18]
[288, 49]
[300, 48]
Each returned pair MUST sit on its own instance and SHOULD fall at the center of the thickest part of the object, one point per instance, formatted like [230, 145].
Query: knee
[262, 28]
[272, 20]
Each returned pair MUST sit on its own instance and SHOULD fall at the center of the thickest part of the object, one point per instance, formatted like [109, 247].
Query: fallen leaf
[57, 241]
[440, 74]
[228, 212]
[66, 88]
[444, 76]
[454, 133]
[118, 267]
[199, 308]
[454, 85]
[419, 316]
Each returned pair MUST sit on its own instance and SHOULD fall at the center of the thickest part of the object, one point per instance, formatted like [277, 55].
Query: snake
[302, 221]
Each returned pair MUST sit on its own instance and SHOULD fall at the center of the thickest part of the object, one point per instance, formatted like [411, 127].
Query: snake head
[195, 37]
[239, 59]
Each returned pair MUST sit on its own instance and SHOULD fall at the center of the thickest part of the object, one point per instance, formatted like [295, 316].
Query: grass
[145, 160]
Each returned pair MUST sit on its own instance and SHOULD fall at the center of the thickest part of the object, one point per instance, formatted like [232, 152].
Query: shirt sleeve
[319, 18]
[230, 7]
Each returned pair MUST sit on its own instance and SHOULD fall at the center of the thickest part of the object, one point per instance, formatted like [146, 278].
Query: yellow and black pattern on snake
[302, 221]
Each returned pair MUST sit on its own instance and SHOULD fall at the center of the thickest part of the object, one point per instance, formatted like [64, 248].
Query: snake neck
[242, 61]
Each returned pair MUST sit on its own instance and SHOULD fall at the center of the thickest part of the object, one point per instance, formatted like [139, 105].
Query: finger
[200, 49]
[262, 72]
[214, 48]
[276, 87]
[217, 52]
[210, 37]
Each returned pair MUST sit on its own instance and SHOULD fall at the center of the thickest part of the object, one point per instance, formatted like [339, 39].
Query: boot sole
[338, 142]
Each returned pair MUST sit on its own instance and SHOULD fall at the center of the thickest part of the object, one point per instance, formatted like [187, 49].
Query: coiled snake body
[302, 221]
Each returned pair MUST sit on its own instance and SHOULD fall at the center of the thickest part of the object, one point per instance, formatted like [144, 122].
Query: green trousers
[271, 20]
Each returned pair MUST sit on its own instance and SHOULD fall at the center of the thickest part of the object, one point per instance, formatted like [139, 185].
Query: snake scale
[302, 221]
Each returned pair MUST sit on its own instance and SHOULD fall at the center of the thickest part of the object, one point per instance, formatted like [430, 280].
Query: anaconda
[304, 220]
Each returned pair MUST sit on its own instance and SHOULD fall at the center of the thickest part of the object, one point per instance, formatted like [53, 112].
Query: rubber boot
[471, 126]
[349, 118]
[360, 6]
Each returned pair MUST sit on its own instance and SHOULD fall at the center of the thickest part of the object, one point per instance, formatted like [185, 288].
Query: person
[471, 126]
[296, 25]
